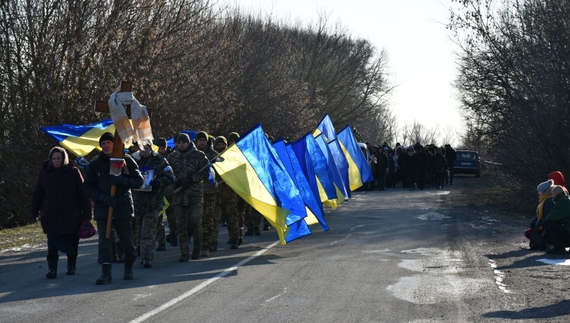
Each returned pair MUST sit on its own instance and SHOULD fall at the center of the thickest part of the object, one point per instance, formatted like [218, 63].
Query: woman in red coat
[63, 205]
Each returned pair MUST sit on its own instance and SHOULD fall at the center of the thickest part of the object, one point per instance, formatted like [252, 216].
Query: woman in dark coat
[63, 205]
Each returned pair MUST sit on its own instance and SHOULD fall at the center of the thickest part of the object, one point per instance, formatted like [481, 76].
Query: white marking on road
[201, 286]
[499, 277]
[347, 235]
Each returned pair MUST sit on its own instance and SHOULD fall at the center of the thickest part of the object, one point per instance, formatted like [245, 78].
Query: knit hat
[160, 142]
[183, 138]
[542, 187]
[201, 135]
[557, 177]
[106, 136]
[220, 139]
[234, 136]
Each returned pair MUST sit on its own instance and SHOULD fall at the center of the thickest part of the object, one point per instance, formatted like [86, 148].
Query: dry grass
[27, 237]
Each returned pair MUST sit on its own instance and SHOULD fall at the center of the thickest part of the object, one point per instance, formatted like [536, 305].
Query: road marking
[201, 286]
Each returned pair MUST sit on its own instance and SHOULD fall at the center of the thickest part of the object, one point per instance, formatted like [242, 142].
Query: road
[392, 256]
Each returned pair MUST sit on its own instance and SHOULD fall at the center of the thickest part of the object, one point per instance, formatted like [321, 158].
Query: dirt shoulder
[490, 226]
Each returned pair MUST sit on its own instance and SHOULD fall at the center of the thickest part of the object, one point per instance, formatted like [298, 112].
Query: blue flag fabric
[327, 129]
[253, 169]
[293, 166]
[359, 169]
[79, 140]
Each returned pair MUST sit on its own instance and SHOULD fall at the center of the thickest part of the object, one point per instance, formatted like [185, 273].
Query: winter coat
[439, 163]
[153, 200]
[560, 213]
[186, 165]
[97, 187]
[60, 198]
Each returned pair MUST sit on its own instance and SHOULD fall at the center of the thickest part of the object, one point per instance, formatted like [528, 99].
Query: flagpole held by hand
[216, 159]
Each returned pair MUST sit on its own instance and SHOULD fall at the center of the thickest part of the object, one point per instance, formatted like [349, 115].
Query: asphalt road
[392, 256]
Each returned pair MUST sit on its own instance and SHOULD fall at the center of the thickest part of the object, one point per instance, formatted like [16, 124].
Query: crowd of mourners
[132, 191]
[413, 167]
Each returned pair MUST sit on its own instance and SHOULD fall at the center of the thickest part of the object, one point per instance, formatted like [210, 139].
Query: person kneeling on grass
[557, 223]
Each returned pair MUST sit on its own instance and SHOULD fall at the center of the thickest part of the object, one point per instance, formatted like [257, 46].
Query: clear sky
[420, 54]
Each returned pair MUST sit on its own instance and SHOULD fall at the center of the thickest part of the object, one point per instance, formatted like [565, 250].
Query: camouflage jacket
[207, 186]
[152, 200]
[186, 164]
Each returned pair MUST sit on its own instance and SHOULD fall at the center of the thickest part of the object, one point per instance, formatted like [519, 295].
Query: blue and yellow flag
[255, 172]
[291, 163]
[80, 140]
[336, 178]
[326, 128]
[316, 169]
[358, 168]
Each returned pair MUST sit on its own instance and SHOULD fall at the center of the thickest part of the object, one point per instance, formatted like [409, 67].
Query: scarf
[140, 130]
[540, 207]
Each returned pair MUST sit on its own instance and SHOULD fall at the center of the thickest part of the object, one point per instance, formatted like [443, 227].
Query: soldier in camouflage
[149, 204]
[227, 203]
[190, 166]
[210, 191]
[160, 232]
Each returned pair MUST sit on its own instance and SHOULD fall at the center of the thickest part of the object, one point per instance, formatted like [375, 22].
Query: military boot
[128, 273]
[71, 261]
[52, 266]
[105, 274]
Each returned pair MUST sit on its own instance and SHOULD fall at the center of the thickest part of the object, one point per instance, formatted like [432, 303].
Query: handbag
[86, 230]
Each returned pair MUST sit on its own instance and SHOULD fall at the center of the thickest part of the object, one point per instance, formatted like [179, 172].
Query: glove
[108, 200]
[155, 184]
[118, 180]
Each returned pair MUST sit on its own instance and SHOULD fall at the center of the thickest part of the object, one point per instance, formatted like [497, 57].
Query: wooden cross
[118, 146]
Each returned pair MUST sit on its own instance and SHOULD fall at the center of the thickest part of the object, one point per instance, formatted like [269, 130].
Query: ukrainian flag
[80, 140]
[291, 163]
[326, 128]
[336, 178]
[255, 172]
[359, 170]
[316, 169]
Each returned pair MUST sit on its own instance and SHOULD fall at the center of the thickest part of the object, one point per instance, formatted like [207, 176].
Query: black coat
[97, 186]
[60, 198]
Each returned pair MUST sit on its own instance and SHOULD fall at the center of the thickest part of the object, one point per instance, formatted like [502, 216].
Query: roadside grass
[27, 237]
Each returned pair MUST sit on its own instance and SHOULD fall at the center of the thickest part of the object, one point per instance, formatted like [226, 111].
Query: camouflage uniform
[252, 220]
[187, 204]
[228, 205]
[209, 227]
[149, 204]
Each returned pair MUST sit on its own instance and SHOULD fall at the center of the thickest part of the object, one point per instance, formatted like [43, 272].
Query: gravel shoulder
[491, 235]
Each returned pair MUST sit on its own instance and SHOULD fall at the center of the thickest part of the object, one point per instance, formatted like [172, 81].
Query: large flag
[255, 172]
[80, 140]
[316, 169]
[291, 163]
[326, 128]
[337, 180]
[358, 168]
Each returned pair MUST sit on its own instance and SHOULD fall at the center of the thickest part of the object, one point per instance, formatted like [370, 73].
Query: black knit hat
[220, 139]
[106, 136]
[234, 136]
[160, 142]
[201, 135]
[183, 138]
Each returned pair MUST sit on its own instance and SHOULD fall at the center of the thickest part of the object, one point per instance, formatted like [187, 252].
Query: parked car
[467, 162]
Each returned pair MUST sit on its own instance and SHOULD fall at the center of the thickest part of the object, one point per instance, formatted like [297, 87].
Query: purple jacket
[60, 198]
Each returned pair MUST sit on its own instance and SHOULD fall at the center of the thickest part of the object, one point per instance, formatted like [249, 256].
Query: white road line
[201, 286]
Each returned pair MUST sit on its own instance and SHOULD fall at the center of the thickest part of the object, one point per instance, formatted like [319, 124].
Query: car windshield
[466, 155]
